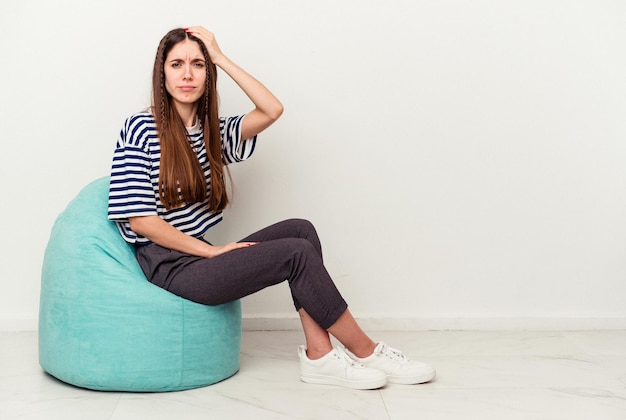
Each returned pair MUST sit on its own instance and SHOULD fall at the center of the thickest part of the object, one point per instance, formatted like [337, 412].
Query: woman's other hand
[223, 249]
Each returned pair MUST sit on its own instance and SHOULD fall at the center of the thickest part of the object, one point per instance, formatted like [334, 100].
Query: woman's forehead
[186, 49]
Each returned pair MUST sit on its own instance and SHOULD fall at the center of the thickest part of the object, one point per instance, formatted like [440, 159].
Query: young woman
[168, 188]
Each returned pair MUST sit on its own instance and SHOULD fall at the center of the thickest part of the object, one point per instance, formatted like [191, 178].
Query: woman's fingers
[208, 39]
[223, 249]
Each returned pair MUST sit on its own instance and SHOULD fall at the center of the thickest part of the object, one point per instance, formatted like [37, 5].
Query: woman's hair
[181, 177]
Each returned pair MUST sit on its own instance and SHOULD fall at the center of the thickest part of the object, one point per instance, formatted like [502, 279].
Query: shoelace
[392, 353]
[340, 354]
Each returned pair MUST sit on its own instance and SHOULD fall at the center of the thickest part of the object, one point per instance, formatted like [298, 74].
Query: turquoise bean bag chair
[103, 326]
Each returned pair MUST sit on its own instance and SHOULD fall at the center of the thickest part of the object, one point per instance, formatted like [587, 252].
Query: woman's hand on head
[267, 108]
[208, 39]
[223, 249]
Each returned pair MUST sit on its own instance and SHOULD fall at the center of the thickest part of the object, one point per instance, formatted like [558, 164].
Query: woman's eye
[199, 65]
[175, 65]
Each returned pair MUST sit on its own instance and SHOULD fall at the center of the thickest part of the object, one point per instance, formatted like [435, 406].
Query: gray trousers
[288, 250]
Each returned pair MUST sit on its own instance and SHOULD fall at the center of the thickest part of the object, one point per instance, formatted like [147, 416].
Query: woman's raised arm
[267, 107]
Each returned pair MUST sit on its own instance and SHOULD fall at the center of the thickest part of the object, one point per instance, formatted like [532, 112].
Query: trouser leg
[245, 271]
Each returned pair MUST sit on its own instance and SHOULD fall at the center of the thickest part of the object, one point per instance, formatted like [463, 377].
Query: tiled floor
[481, 375]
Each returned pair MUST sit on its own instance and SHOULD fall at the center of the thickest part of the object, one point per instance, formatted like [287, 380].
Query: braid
[163, 103]
[218, 197]
[207, 90]
[206, 98]
[162, 91]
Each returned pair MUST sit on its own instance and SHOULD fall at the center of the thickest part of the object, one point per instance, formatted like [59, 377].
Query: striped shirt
[134, 184]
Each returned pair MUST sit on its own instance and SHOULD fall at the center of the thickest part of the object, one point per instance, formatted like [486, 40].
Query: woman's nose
[187, 75]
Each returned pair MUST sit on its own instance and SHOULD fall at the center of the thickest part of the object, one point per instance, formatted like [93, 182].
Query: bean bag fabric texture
[103, 326]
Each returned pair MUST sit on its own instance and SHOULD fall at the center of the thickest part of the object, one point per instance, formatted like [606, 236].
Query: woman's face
[185, 73]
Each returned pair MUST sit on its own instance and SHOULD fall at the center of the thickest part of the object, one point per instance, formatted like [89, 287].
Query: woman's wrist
[209, 251]
[221, 61]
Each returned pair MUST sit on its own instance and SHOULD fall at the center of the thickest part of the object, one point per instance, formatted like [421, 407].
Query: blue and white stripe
[134, 181]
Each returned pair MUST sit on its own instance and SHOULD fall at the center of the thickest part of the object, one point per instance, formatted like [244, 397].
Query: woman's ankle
[317, 353]
[363, 351]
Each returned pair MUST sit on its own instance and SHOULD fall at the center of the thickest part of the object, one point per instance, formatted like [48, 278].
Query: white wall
[464, 161]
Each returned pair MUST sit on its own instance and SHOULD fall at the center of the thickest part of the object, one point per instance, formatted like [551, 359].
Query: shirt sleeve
[130, 191]
[235, 148]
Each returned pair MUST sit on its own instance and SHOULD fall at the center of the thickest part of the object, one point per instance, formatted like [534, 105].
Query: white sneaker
[399, 368]
[337, 368]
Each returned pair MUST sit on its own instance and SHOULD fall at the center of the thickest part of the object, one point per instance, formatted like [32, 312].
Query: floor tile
[481, 375]
[505, 404]
[614, 365]
[39, 396]
[244, 397]
[602, 343]
[522, 372]
[479, 343]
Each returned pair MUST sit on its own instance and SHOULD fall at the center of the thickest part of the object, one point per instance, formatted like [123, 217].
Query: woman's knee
[300, 246]
[307, 231]
[301, 225]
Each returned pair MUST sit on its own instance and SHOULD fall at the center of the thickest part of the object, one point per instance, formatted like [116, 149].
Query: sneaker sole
[330, 380]
[413, 380]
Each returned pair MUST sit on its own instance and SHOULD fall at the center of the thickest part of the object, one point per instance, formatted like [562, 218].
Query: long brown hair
[181, 178]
